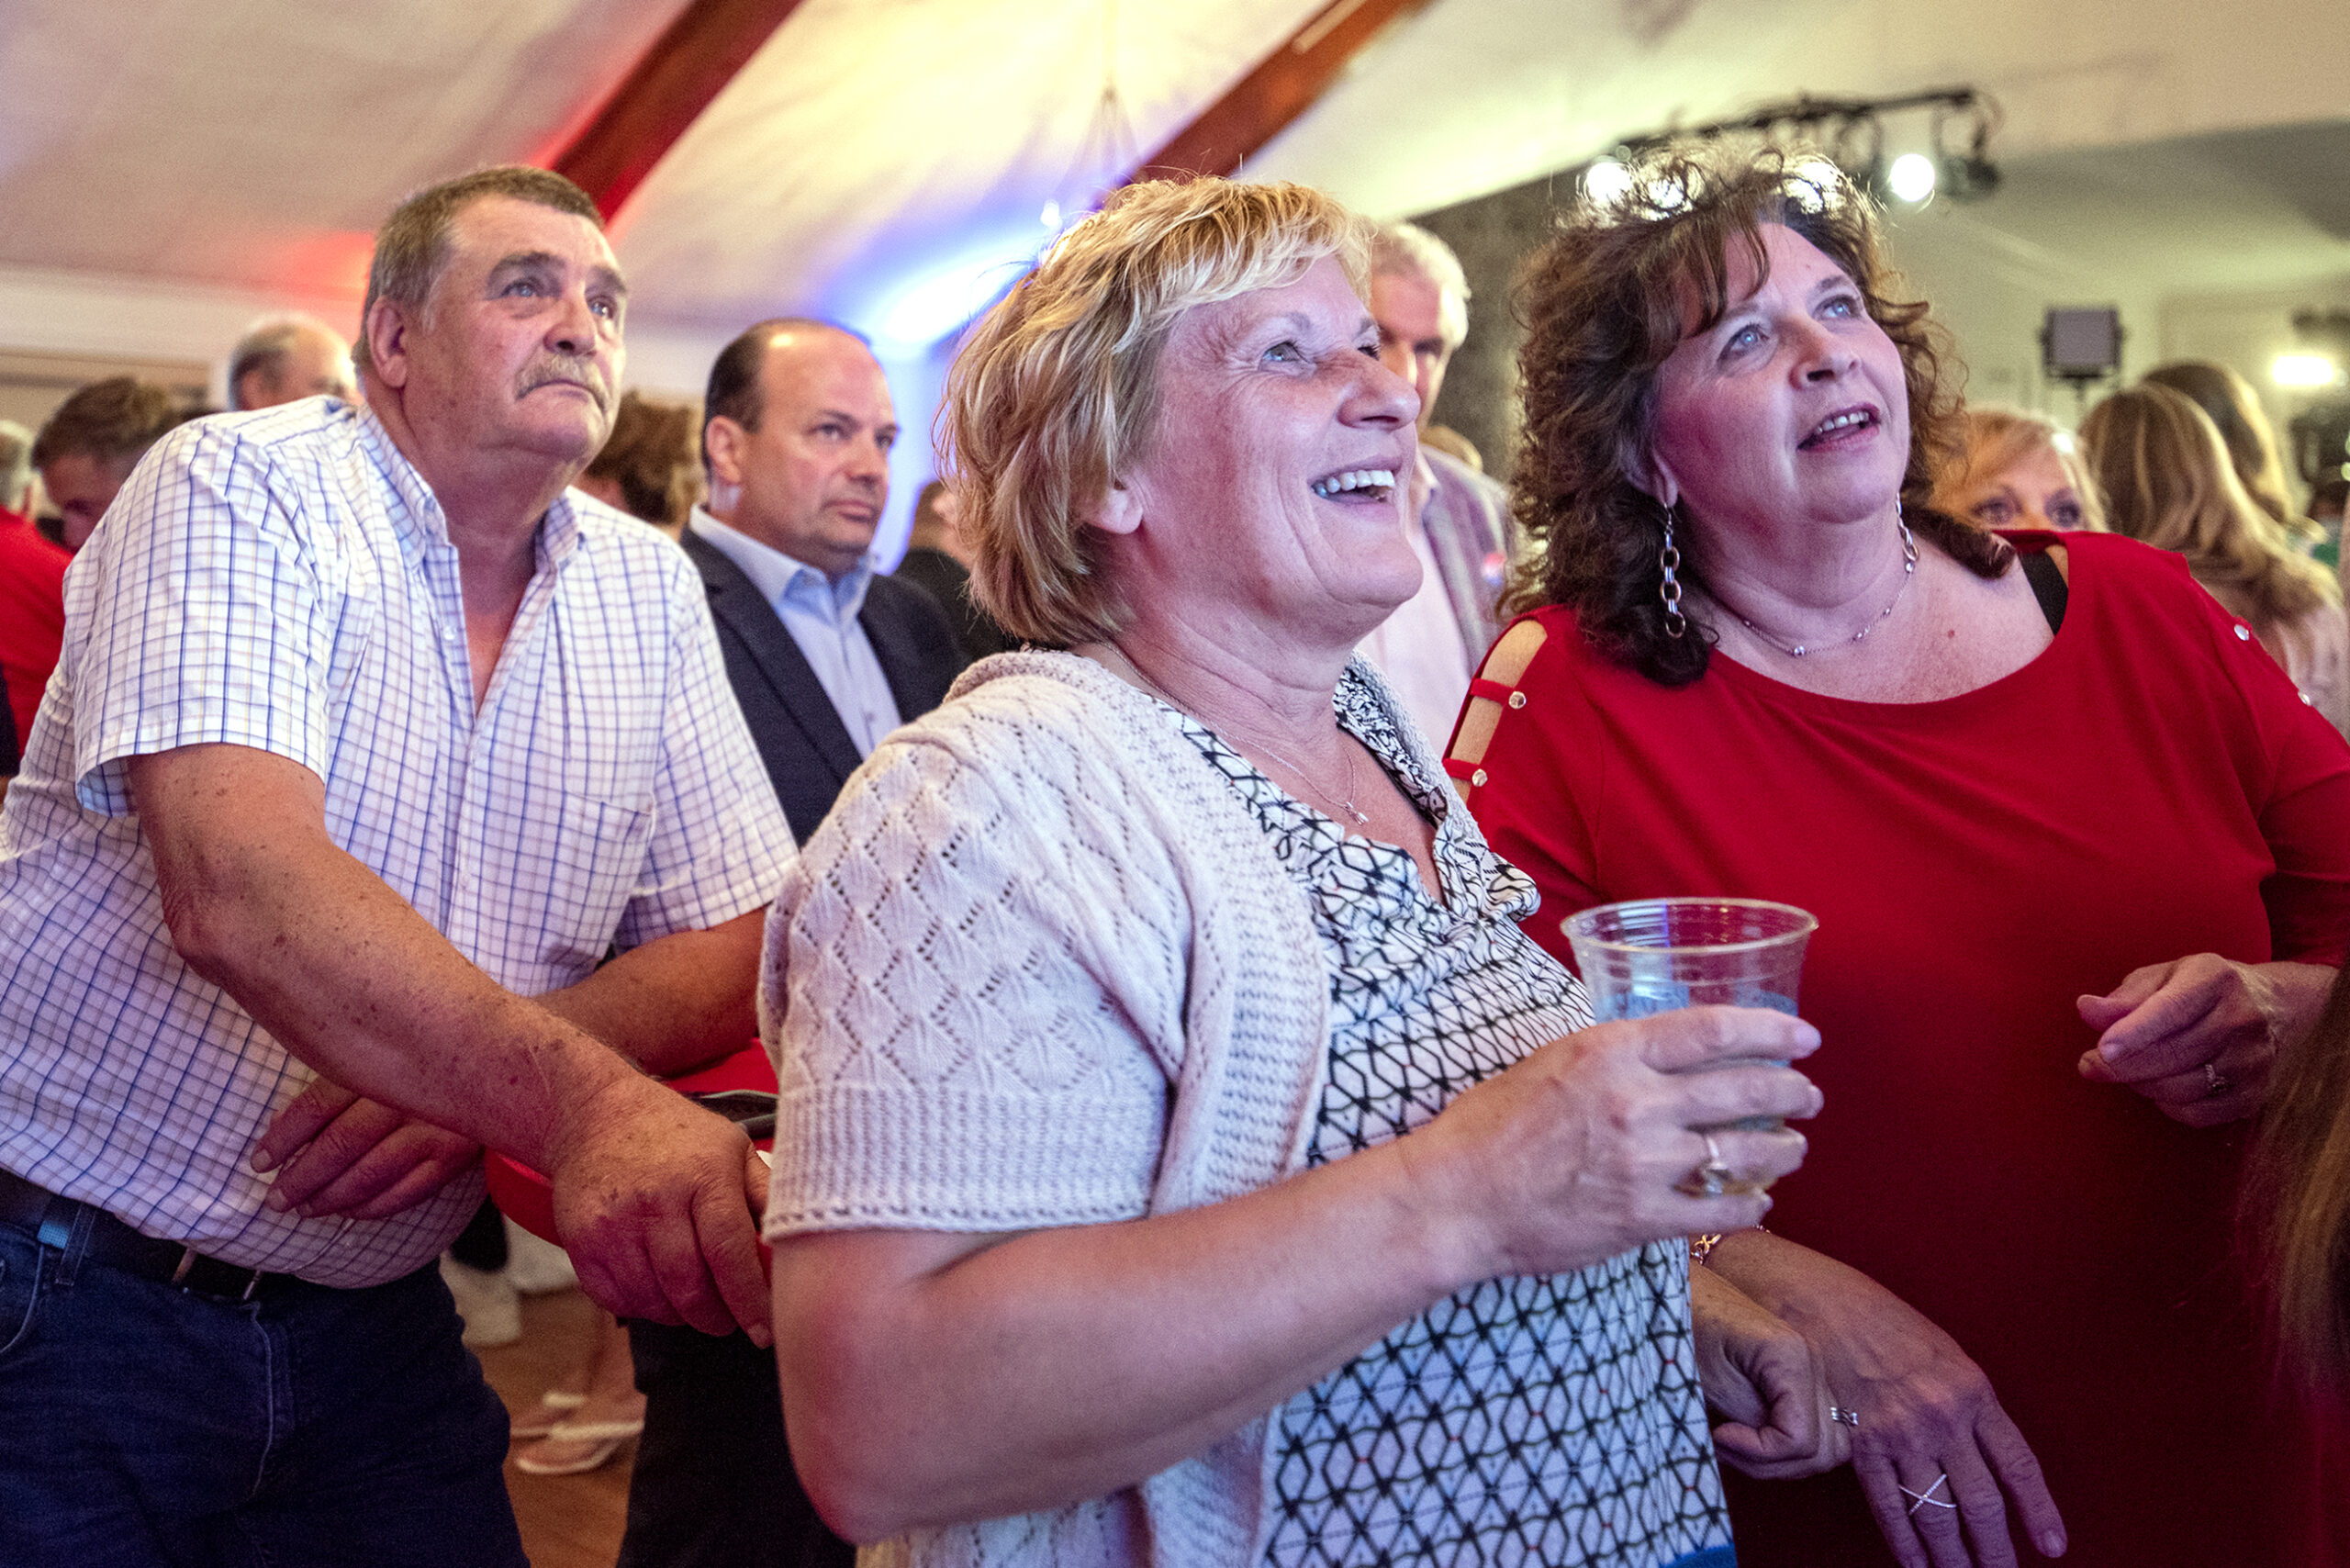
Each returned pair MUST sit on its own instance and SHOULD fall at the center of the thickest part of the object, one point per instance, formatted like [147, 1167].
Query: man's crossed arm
[654, 1197]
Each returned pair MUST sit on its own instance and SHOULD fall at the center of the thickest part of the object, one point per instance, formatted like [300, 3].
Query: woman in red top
[2077, 849]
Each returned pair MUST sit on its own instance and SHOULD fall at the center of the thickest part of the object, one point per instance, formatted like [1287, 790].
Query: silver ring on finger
[1710, 1180]
[2215, 1082]
[1927, 1499]
[1847, 1418]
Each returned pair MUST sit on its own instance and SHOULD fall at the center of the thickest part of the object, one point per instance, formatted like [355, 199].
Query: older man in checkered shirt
[370, 742]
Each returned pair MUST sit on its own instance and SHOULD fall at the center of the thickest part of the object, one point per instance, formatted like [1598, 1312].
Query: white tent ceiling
[259, 142]
[871, 143]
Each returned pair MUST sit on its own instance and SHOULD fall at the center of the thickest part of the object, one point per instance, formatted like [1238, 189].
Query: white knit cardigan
[1040, 966]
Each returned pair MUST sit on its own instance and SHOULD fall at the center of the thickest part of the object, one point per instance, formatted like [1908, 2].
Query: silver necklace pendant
[1363, 818]
[1908, 571]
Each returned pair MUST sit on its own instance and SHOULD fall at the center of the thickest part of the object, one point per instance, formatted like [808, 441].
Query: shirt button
[1517, 698]
[2244, 633]
[2305, 697]
[1478, 778]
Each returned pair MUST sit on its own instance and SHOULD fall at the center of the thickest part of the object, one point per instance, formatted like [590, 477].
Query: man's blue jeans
[145, 1424]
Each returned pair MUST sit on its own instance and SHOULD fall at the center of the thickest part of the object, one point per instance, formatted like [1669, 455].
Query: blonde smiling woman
[1183, 1158]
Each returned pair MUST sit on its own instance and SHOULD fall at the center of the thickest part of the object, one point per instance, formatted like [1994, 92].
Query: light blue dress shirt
[821, 615]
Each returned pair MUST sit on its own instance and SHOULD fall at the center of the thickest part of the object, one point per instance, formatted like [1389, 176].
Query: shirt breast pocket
[591, 857]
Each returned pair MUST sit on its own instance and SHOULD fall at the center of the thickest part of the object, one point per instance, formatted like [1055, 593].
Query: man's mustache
[549, 368]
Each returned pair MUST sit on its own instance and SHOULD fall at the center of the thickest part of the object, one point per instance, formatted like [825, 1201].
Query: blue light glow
[936, 301]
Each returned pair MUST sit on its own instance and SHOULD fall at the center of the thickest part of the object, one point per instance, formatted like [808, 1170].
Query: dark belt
[53, 1220]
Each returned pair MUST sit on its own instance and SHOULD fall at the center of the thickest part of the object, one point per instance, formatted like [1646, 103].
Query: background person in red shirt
[32, 587]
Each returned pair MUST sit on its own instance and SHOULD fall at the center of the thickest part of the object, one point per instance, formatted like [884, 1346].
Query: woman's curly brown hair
[1604, 303]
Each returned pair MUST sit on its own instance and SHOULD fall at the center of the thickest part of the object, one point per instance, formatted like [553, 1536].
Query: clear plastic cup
[1654, 956]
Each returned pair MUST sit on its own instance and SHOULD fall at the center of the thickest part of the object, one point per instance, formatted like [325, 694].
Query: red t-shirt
[2150, 786]
[32, 615]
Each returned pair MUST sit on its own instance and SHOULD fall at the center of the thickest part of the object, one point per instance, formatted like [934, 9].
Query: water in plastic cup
[1654, 956]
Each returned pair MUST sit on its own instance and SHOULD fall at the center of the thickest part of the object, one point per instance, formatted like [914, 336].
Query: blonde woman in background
[2019, 471]
[2164, 470]
[2233, 407]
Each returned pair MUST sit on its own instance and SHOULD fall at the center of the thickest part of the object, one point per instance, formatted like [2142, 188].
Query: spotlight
[1912, 178]
[1850, 133]
[2304, 371]
[1970, 176]
[1607, 181]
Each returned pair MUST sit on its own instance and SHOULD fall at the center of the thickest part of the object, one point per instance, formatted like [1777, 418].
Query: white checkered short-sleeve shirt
[285, 580]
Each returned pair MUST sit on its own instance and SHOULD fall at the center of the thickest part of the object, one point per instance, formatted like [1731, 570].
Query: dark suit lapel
[737, 604]
[907, 664]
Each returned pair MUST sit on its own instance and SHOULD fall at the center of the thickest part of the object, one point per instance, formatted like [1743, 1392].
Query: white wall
[1993, 292]
[86, 313]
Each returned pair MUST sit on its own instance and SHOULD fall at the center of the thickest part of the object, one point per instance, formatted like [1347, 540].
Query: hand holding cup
[1579, 1152]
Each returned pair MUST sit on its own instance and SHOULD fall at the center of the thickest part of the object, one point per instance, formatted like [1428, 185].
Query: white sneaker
[487, 1301]
[537, 1266]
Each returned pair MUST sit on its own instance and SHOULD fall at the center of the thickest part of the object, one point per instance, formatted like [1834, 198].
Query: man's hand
[656, 1201]
[2198, 1035]
[336, 1153]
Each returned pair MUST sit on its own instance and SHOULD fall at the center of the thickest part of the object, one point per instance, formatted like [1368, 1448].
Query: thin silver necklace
[1798, 650]
[1362, 817]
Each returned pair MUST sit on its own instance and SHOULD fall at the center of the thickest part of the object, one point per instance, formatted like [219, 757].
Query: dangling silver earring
[1675, 624]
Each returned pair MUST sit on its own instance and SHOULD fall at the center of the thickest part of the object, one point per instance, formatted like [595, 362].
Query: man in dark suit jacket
[938, 561]
[826, 658]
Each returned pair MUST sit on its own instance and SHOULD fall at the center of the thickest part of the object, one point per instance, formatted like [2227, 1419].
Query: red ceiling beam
[688, 65]
[1283, 86]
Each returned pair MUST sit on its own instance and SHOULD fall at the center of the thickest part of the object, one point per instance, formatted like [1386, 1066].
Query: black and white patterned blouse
[1541, 1421]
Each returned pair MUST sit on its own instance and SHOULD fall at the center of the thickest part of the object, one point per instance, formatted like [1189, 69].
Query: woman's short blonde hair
[1055, 394]
[1996, 439]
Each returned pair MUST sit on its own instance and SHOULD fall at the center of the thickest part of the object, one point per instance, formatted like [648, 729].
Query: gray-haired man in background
[1435, 640]
[281, 358]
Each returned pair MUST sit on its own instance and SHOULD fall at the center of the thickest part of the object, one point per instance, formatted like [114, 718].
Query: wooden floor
[568, 1522]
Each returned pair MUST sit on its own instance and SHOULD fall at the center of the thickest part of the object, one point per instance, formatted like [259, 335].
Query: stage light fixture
[1850, 131]
[1969, 175]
